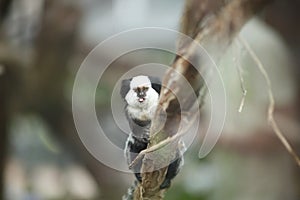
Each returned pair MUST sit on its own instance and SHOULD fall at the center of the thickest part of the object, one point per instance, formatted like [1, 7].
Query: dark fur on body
[139, 138]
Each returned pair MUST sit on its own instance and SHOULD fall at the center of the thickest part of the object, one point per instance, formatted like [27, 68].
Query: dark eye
[135, 89]
[146, 88]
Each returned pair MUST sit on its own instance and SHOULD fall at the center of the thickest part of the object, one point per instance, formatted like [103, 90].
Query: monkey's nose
[141, 94]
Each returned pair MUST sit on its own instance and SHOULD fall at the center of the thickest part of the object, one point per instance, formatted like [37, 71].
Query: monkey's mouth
[141, 100]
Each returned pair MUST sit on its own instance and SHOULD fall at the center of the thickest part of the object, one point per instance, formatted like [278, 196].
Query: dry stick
[271, 119]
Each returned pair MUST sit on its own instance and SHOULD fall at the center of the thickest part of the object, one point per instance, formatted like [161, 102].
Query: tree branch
[215, 26]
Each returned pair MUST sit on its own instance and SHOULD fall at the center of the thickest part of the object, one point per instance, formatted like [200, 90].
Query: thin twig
[242, 82]
[271, 119]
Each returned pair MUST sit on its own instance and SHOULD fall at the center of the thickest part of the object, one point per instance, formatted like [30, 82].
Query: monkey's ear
[155, 83]
[125, 86]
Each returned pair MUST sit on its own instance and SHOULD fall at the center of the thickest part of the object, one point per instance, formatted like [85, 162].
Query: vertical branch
[219, 28]
[3, 126]
[8, 80]
[4, 9]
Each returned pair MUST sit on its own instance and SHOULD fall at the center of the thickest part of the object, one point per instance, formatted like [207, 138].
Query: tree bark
[216, 26]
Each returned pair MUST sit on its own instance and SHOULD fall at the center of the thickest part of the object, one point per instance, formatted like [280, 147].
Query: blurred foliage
[178, 193]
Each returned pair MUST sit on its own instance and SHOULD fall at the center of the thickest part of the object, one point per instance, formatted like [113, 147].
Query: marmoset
[141, 94]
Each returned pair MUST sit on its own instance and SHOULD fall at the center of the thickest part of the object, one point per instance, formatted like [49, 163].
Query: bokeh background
[43, 43]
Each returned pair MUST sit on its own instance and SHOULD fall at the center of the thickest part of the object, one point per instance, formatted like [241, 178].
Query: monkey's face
[141, 94]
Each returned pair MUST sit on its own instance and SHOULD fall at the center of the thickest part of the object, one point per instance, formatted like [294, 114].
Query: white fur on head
[141, 110]
[140, 81]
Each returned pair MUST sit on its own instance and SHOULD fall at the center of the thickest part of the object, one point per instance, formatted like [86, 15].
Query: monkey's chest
[140, 114]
